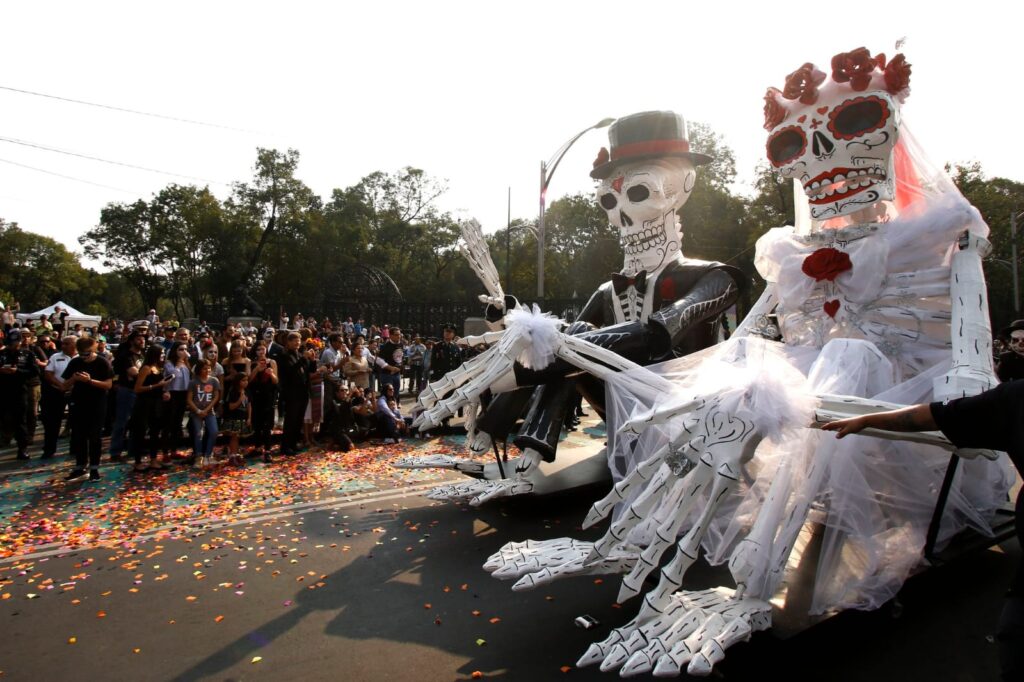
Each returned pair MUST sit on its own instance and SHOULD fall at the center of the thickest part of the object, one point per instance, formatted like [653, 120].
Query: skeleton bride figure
[875, 298]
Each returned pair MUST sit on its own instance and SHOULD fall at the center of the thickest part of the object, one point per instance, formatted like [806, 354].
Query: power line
[130, 111]
[69, 177]
[36, 145]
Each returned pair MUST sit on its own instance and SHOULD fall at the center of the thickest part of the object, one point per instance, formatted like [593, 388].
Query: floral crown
[857, 67]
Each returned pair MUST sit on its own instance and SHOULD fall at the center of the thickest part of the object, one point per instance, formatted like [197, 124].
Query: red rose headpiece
[858, 68]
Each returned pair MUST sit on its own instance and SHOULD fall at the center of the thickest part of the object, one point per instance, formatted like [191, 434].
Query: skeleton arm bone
[487, 338]
[970, 330]
[643, 343]
[474, 249]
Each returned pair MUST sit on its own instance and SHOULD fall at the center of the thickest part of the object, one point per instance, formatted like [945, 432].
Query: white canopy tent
[74, 316]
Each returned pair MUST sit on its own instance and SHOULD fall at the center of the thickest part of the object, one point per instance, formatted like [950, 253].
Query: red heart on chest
[831, 308]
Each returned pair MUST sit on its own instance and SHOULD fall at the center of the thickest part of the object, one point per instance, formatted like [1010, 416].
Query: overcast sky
[476, 93]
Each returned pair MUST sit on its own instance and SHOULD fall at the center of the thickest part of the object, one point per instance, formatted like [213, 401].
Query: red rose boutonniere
[826, 264]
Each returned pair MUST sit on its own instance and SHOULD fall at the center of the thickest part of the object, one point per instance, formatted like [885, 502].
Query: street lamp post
[545, 180]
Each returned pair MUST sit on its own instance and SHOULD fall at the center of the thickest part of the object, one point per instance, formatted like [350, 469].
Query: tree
[408, 236]
[124, 241]
[997, 199]
[583, 247]
[269, 225]
[715, 223]
[186, 230]
[37, 269]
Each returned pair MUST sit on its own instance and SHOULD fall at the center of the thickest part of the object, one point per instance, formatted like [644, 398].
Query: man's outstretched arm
[913, 418]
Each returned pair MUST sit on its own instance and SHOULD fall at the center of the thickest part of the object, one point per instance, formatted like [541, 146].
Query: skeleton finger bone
[655, 493]
[487, 338]
[463, 464]
[511, 552]
[639, 638]
[475, 250]
[616, 562]
[643, 661]
[659, 414]
[639, 476]
[504, 487]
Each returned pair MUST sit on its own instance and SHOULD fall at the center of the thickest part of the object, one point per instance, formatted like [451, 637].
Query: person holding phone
[176, 368]
[263, 390]
[146, 417]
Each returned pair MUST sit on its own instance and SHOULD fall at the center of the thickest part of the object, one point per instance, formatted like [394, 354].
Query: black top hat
[647, 135]
[1016, 325]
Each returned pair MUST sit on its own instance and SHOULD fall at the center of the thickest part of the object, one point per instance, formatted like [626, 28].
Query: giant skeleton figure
[880, 301]
[661, 305]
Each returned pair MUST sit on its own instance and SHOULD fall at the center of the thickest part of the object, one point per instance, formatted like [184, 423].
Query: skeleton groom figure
[661, 305]
[880, 300]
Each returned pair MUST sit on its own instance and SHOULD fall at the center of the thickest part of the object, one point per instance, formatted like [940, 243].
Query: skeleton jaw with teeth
[641, 200]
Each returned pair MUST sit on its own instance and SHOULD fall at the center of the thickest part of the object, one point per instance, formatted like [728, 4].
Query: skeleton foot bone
[694, 630]
[525, 468]
[536, 562]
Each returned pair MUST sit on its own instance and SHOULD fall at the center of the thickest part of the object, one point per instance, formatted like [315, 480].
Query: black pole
[508, 244]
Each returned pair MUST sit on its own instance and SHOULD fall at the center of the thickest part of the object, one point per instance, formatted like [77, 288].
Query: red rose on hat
[856, 67]
[897, 75]
[774, 113]
[826, 264]
[803, 84]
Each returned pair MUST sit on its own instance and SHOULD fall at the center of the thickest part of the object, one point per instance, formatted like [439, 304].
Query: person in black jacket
[1010, 363]
[17, 367]
[293, 382]
[445, 355]
[994, 420]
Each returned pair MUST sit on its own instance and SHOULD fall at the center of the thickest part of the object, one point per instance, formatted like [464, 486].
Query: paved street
[333, 566]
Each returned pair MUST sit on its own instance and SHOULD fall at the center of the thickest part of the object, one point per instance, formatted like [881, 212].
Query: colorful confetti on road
[39, 513]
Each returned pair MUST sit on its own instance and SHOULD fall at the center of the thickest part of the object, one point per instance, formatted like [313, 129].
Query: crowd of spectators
[323, 384]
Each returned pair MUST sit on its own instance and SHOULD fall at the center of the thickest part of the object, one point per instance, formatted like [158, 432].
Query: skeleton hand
[443, 398]
[715, 444]
[480, 491]
[474, 249]
[693, 630]
[532, 338]
[526, 561]
[463, 464]
[479, 444]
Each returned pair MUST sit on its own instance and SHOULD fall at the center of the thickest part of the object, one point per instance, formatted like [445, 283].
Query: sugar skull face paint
[837, 136]
[641, 200]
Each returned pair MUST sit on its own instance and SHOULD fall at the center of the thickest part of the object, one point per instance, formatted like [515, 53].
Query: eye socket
[786, 145]
[638, 193]
[858, 116]
[608, 201]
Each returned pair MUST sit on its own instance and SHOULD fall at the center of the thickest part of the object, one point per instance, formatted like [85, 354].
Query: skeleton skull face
[641, 200]
[840, 149]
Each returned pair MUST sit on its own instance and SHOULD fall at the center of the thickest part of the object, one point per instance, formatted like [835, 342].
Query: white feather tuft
[541, 330]
[770, 393]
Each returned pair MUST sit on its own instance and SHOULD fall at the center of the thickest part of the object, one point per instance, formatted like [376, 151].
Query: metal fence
[421, 317]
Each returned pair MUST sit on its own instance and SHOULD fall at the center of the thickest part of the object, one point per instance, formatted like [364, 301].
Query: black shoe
[94, 475]
[75, 475]
[22, 455]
